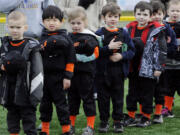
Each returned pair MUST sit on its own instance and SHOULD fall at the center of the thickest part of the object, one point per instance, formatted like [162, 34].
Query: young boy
[173, 64]
[146, 64]
[86, 46]
[58, 59]
[158, 14]
[22, 70]
[112, 67]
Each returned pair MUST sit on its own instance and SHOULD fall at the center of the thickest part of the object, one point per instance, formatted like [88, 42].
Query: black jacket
[29, 81]
[58, 53]
[85, 43]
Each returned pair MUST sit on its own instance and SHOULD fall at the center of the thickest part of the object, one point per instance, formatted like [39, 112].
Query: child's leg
[13, 120]
[46, 107]
[86, 94]
[74, 100]
[103, 100]
[146, 97]
[28, 115]
[117, 94]
[171, 88]
[59, 98]
[159, 94]
[132, 97]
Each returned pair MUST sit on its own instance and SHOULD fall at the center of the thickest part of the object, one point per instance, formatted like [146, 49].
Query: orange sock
[73, 119]
[158, 109]
[147, 115]
[90, 121]
[14, 134]
[168, 102]
[65, 128]
[140, 108]
[131, 114]
[45, 127]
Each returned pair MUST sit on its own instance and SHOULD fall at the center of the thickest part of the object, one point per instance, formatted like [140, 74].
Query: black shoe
[157, 119]
[129, 122]
[103, 127]
[72, 130]
[43, 133]
[145, 122]
[138, 117]
[118, 127]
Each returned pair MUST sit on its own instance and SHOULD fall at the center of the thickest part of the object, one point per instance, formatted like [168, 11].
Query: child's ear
[26, 27]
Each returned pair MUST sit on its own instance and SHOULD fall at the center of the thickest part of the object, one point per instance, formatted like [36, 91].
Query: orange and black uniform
[58, 59]
[83, 79]
[172, 72]
[141, 89]
[110, 75]
[17, 96]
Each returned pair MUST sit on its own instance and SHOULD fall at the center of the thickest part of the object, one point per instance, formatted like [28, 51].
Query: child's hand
[178, 48]
[2, 67]
[114, 45]
[157, 73]
[115, 57]
[66, 84]
[168, 39]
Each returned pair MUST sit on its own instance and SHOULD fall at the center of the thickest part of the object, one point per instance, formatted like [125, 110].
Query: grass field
[169, 127]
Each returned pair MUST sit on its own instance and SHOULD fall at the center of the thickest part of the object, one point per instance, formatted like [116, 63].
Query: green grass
[169, 127]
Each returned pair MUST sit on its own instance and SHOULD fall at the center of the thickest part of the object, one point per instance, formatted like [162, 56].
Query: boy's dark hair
[52, 11]
[143, 5]
[112, 8]
[157, 5]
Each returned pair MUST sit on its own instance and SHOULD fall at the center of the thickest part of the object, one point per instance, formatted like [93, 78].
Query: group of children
[146, 52]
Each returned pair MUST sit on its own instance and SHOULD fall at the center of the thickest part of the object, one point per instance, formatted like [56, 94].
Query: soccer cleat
[88, 131]
[157, 119]
[129, 122]
[118, 127]
[138, 117]
[145, 122]
[104, 127]
[167, 113]
[72, 130]
[43, 133]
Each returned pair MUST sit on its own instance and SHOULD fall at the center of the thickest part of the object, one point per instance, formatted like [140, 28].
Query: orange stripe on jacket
[70, 67]
[96, 52]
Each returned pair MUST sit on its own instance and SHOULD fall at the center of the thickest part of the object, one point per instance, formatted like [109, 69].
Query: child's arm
[160, 53]
[84, 58]
[129, 54]
[69, 52]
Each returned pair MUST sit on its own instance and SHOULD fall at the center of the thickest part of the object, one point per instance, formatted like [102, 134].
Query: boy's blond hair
[17, 15]
[76, 13]
[173, 2]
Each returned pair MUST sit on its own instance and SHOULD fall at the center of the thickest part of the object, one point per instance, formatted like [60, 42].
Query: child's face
[52, 24]
[158, 16]
[111, 20]
[77, 25]
[142, 17]
[174, 12]
[16, 29]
